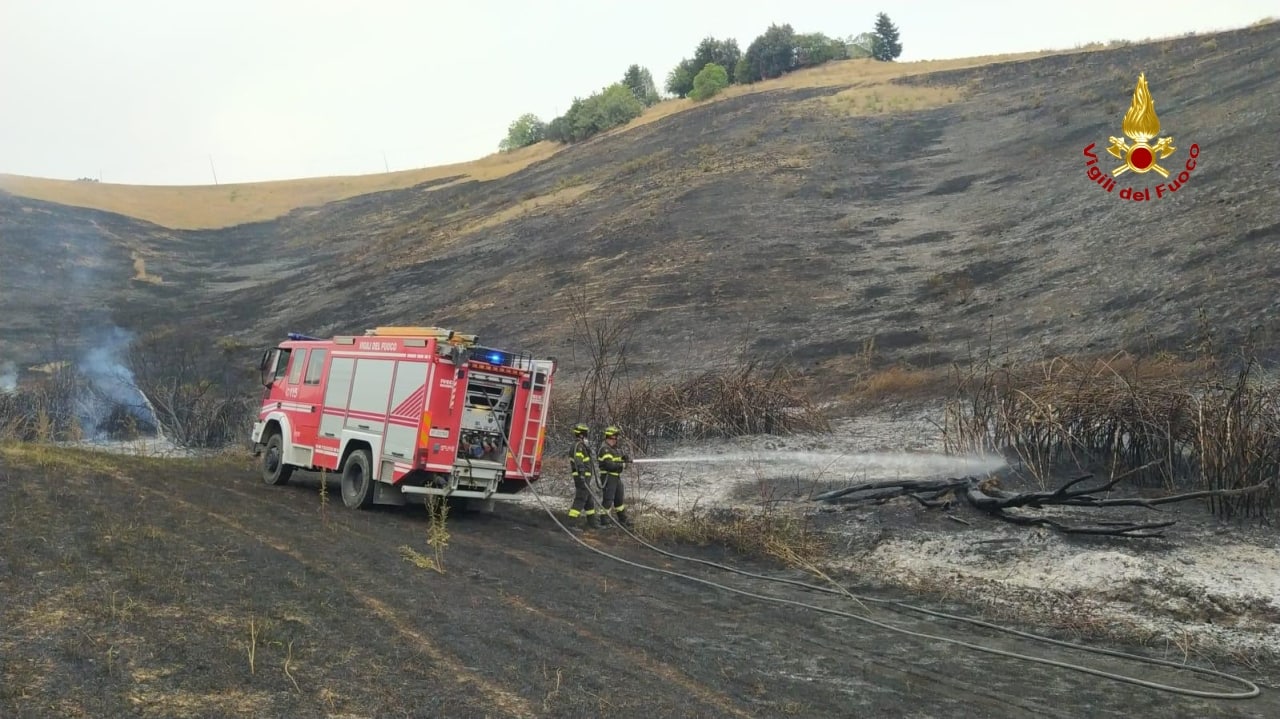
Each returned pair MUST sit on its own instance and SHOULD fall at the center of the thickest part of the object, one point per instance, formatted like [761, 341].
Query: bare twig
[986, 497]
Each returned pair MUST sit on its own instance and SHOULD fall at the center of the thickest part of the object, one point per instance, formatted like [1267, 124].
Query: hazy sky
[146, 92]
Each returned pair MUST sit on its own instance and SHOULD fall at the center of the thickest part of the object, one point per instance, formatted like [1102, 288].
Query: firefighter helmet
[581, 428]
[611, 431]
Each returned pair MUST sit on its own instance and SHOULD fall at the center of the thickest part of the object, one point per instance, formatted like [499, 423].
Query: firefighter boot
[623, 518]
[577, 523]
[595, 521]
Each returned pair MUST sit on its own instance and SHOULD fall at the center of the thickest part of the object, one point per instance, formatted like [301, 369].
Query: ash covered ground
[1207, 588]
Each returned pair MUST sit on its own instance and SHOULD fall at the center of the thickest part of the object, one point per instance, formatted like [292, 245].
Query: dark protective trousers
[614, 496]
[583, 502]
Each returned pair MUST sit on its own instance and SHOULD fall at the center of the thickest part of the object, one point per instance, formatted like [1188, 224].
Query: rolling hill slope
[925, 218]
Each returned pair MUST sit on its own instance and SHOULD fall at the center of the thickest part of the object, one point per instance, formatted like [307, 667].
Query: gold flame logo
[1140, 125]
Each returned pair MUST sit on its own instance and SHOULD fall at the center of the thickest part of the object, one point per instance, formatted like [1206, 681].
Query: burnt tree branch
[984, 496]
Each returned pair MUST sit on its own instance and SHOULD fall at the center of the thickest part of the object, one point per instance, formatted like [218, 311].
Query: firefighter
[582, 514]
[612, 461]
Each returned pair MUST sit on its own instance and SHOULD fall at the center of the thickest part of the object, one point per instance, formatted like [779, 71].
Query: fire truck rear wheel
[274, 469]
[357, 480]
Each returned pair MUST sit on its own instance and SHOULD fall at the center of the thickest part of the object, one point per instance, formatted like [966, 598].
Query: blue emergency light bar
[295, 336]
[491, 356]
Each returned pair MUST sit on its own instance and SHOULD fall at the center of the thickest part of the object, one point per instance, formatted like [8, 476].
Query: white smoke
[104, 366]
[8, 377]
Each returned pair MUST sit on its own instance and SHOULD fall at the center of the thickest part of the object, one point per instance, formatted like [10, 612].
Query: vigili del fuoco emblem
[1142, 125]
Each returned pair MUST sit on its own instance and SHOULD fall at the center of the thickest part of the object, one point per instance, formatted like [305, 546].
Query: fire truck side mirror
[266, 366]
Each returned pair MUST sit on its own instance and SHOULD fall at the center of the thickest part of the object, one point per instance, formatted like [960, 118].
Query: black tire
[357, 480]
[274, 470]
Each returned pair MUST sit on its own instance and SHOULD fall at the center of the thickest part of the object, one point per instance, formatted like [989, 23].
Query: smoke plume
[113, 394]
[8, 377]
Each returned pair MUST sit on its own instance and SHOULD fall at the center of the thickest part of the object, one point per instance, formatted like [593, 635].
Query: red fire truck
[403, 411]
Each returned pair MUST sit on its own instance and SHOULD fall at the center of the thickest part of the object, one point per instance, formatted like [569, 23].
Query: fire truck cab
[403, 411]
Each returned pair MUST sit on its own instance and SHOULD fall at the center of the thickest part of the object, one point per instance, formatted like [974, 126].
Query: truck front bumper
[255, 438]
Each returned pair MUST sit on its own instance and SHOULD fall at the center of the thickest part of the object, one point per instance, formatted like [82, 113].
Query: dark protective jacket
[612, 460]
[580, 460]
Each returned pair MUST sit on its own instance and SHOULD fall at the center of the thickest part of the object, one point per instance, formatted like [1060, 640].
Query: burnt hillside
[66, 271]
[807, 222]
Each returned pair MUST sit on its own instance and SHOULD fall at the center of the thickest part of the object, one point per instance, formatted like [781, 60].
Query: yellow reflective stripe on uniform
[574, 512]
[620, 507]
[583, 458]
[589, 512]
[608, 456]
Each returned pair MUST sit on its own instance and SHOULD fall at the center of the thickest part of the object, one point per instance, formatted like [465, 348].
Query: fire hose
[1252, 689]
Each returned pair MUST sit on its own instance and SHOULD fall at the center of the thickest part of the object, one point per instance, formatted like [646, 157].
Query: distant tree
[748, 69]
[558, 129]
[815, 49]
[742, 71]
[524, 131]
[640, 82]
[770, 55]
[885, 46]
[709, 80]
[680, 79]
[613, 106]
[571, 119]
[861, 45]
[724, 53]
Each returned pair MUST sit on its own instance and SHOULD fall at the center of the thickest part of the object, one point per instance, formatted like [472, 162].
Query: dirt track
[135, 587]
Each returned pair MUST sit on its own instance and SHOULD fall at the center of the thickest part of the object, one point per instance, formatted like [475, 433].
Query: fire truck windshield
[275, 362]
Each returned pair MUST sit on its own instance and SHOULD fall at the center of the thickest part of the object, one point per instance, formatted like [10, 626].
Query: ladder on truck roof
[440, 334]
[541, 369]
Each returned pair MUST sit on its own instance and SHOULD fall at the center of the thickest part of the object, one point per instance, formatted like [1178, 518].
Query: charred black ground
[185, 588]
[766, 224]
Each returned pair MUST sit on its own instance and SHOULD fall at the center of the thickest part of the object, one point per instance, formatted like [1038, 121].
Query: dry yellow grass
[869, 75]
[140, 271]
[559, 198]
[222, 701]
[876, 99]
[436, 239]
[898, 382]
[38, 454]
[213, 206]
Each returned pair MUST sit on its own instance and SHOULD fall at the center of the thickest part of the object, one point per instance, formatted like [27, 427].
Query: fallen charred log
[985, 495]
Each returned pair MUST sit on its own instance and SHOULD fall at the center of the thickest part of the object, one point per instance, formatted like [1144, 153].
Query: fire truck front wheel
[274, 469]
[357, 480]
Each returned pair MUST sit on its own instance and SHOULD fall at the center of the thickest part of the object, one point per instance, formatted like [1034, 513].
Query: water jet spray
[912, 462]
